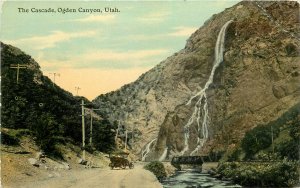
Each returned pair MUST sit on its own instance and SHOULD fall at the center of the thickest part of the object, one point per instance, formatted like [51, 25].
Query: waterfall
[164, 155]
[147, 150]
[200, 114]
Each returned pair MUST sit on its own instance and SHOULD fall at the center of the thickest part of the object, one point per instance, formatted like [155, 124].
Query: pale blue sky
[105, 49]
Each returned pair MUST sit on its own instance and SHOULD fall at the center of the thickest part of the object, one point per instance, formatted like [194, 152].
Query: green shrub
[157, 168]
[289, 149]
[235, 155]
[12, 136]
[255, 140]
[44, 129]
[9, 139]
[104, 139]
[267, 174]
[23, 132]
[260, 137]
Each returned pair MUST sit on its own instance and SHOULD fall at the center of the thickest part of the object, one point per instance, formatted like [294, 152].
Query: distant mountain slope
[36, 103]
[256, 83]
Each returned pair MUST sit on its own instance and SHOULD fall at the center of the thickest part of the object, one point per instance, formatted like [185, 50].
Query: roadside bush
[255, 140]
[157, 168]
[8, 139]
[104, 139]
[235, 155]
[23, 132]
[266, 174]
[260, 137]
[45, 128]
[289, 149]
[12, 136]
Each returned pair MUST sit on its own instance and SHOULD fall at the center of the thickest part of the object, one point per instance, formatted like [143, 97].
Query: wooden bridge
[193, 161]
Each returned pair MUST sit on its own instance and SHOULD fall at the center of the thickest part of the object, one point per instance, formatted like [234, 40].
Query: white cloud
[51, 40]
[143, 37]
[111, 59]
[54, 64]
[97, 18]
[155, 17]
[183, 31]
[110, 55]
[104, 59]
[180, 31]
[50, 64]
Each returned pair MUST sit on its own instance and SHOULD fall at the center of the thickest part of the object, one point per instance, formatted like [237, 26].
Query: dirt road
[95, 177]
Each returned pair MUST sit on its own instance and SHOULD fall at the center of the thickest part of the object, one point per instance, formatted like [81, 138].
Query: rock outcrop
[256, 83]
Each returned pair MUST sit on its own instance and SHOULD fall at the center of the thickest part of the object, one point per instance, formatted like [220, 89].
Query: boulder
[82, 161]
[34, 162]
[279, 91]
[40, 155]
[66, 166]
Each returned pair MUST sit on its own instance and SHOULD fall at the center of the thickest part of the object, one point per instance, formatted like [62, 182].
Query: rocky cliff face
[256, 83]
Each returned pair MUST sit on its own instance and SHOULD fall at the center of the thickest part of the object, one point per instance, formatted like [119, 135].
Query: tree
[103, 138]
[45, 129]
[258, 138]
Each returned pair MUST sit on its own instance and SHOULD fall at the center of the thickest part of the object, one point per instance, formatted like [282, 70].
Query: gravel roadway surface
[96, 177]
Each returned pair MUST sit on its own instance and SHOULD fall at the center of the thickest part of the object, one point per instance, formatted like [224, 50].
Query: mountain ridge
[47, 112]
[258, 76]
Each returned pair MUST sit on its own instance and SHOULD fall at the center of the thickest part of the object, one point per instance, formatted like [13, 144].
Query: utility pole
[18, 67]
[116, 137]
[132, 134]
[126, 140]
[272, 139]
[126, 117]
[83, 130]
[91, 127]
[134, 125]
[77, 88]
[299, 154]
[54, 75]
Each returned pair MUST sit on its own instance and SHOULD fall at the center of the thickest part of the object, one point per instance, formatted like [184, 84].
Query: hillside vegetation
[42, 109]
[268, 154]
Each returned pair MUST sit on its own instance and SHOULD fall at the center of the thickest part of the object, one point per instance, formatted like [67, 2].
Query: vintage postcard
[146, 94]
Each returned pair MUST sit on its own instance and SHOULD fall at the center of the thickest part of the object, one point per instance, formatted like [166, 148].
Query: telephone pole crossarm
[54, 75]
[77, 89]
[18, 67]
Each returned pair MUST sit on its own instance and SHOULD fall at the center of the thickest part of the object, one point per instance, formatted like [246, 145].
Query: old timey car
[119, 162]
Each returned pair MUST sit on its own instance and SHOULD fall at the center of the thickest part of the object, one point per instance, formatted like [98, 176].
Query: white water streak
[164, 155]
[278, 25]
[200, 113]
[147, 150]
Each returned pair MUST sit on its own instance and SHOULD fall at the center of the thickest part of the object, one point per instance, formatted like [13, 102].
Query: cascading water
[147, 149]
[164, 155]
[200, 113]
